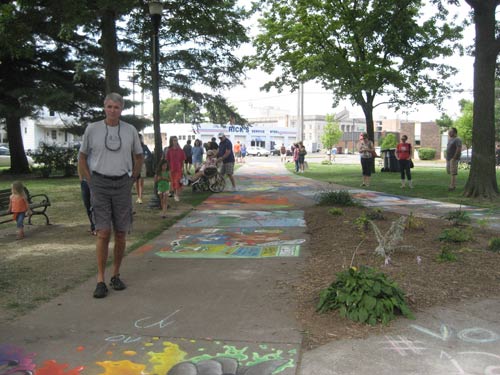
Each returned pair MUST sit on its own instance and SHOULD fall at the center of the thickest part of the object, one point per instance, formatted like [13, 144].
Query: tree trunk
[370, 128]
[368, 111]
[482, 177]
[18, 160]
[110, 51]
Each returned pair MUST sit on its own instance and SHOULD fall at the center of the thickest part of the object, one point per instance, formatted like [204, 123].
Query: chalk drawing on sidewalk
[241, 218]
[229, 243]
[257, 201]
[475, 360]
[404, 346]
[156, 356]
[474, 335]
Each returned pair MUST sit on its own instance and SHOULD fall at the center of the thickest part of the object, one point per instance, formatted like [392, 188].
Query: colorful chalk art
[241, 218]
[155, 356]
[232, 243]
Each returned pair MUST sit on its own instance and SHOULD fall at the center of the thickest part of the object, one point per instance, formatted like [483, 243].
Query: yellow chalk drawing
[122, 368]
[162, 362]
[129, 353]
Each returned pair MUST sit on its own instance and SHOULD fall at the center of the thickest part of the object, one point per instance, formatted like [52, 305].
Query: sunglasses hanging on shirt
[113, 142]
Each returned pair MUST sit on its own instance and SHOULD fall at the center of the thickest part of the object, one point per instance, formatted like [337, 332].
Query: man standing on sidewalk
[453, 152]
[226, 155]
[105, 161]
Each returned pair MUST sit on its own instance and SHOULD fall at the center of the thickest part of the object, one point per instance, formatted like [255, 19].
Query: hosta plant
[364, 295]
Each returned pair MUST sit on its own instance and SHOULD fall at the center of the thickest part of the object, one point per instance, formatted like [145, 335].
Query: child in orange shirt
[19, 206]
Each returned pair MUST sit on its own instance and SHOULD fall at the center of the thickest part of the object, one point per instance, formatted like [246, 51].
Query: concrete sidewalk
[211, 296]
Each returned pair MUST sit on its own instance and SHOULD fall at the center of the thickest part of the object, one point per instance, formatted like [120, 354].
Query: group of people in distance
[404, 154]
[111, 161]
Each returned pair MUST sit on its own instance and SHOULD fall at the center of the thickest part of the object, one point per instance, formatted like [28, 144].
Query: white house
[48, 127]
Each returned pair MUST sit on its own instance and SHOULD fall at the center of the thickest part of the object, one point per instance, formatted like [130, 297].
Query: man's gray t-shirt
[123, 139]
[453, 145]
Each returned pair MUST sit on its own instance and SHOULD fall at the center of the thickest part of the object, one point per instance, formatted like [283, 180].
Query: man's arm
[83, 167]
[138, 160]
[458, 152]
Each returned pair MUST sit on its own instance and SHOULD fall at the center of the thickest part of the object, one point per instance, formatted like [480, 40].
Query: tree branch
[474, 3]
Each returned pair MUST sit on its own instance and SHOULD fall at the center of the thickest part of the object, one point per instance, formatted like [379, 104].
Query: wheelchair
[211, 180]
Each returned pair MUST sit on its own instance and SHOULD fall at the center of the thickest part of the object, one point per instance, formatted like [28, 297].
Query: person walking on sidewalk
[366, 149]
[283, 153]
[237, 152]
[403, 154]
[295, 153]
[162, 179]
[188, 151]
[226, 155]
[105, 161]
[302, 157]
[198, 152]
[139, 184]
[175, 157]
[453, 152]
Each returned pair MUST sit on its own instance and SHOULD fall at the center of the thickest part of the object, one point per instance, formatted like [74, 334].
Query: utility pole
[300, 113]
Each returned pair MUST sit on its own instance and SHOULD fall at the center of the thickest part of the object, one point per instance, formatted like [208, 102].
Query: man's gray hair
[115, 97]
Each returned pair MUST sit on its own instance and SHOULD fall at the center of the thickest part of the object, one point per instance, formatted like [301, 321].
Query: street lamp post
[155, 10]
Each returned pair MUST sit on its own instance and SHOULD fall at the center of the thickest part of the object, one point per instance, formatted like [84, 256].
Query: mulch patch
[426, 281]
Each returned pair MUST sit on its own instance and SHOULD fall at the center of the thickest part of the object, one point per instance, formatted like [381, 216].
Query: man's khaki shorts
[452, 167]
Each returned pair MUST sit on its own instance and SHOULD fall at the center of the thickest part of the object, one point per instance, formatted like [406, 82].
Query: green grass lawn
[429, 182]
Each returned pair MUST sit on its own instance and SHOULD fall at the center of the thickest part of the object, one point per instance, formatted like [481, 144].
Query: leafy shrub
[364, 295]
[456, 235]
[425, 153]
[458, 217]
[494, 244]
[446, 255]
[336, 211]
[53, 158]
[331, 198]
[362, 222]
[375, 214]
[389, 141]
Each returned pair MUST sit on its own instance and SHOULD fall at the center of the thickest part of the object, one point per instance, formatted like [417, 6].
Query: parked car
[466, 156]
[5, 157]
[257, 151]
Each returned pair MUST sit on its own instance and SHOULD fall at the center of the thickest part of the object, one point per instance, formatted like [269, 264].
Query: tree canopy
[68, 59]
[358, 49]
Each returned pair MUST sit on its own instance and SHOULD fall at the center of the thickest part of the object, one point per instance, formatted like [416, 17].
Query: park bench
[38, 204]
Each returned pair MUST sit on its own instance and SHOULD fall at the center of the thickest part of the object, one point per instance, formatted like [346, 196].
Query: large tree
[198, 41]
[38, 69]
[482, 180]
[371, 51]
